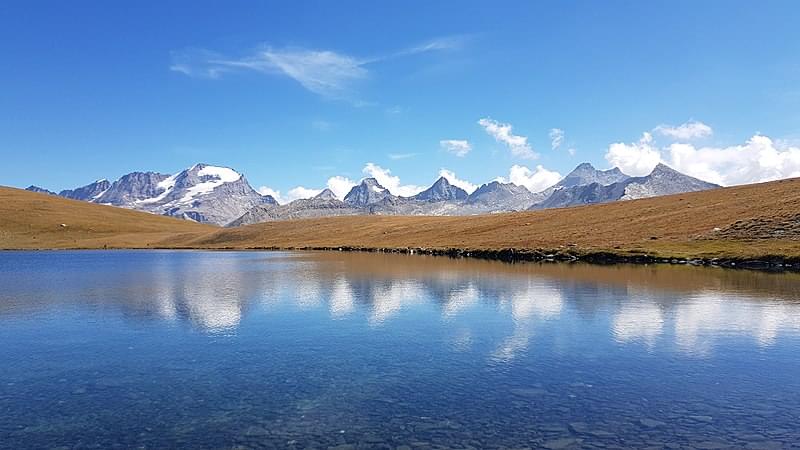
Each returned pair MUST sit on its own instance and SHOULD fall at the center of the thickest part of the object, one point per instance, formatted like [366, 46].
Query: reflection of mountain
[681, 308]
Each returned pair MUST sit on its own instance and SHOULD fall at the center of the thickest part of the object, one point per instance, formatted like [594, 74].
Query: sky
[298, 96]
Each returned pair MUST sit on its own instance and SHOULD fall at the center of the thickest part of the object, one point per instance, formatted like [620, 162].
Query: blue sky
[294, 93]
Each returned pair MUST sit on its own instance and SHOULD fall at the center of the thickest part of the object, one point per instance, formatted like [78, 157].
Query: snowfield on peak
[220, 175]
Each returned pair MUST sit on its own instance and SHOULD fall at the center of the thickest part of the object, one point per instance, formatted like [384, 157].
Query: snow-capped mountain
[203, 193]
[87, 193]
[441, 191]
[133, 187]
[663, 180]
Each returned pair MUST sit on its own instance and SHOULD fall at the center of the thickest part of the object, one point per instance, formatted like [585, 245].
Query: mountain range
[222, 196]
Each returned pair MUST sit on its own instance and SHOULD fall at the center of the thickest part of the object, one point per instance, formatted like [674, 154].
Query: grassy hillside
[30, 220]
[744, 221]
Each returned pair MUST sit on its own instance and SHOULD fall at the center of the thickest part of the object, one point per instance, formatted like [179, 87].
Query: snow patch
[222, 174]
[99, 195]
[167, 184]
[225, 174]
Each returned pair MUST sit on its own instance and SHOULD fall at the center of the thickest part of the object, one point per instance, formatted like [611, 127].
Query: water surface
[298, 350]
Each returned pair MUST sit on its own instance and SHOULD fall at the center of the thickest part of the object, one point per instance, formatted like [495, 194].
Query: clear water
[317, 350]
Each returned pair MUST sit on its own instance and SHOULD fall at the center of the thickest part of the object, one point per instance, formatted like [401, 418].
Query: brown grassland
[751, 221]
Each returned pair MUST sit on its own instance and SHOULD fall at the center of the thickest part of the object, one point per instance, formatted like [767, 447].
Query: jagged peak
[442, 180]
[326, 194]
[370, 181]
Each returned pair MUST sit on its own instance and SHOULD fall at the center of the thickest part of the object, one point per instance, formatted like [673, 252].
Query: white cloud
[556, 138]
[301, 192]
[759, 159]
[457, 147]
[636, 159]
[690, 130]
[534, 180]
[391, 182]
[451, 177]
[265, 190]
[503, 132]
[340, 186]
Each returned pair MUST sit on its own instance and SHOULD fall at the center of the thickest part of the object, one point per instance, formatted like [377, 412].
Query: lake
[160, 349]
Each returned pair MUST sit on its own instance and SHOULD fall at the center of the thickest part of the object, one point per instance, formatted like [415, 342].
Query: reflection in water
[212, 291]
[250, 349]
[706, 316]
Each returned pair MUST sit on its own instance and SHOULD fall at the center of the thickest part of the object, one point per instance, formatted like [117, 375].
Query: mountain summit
[441, 191]
[369, 191]
[663, 180]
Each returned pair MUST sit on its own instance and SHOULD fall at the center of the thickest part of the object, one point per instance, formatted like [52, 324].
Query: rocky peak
[34, 188]
[326, 194]
[585, 174]
[441, 190]
[133, 187]
[367, 192]
[88, 192]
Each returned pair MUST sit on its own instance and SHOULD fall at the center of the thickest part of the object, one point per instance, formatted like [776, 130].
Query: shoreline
[770, 263]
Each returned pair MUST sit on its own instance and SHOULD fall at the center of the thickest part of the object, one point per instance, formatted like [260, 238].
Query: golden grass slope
[30, 220]
[745, 221]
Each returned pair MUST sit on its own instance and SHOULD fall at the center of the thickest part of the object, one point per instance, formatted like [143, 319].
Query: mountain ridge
[222, 196]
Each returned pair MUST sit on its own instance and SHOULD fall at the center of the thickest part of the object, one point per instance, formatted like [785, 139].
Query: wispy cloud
[503, 133]
[556, 138]
[690, 130]
[437, 44]
[457, 147]
[327, 73]
[396, 156]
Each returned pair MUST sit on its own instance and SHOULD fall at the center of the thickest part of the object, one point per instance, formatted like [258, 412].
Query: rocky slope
[663, 180]
[88, 193]
[41, 190]
[324, 204]
[497, 196]
[441, 191]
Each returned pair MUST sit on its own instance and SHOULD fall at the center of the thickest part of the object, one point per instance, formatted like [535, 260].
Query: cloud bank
[757, 160]
[535, 180]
